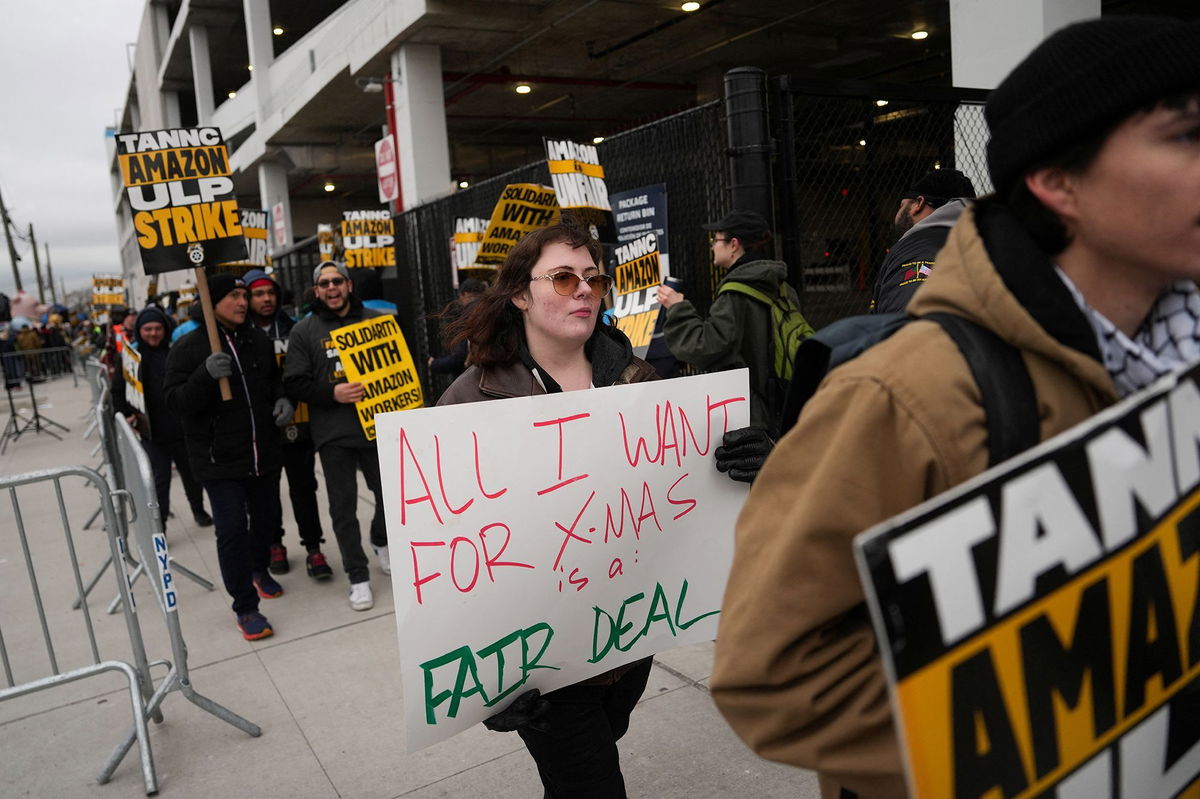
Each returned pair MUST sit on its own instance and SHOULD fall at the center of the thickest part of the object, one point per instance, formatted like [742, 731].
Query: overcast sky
[63, 75]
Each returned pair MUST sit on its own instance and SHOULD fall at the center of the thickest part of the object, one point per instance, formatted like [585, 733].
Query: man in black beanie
[233, 445]
[927, 212]
[1085, 263]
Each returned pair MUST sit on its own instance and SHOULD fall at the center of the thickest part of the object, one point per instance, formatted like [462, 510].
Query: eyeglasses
[565, 283]
[333, 281]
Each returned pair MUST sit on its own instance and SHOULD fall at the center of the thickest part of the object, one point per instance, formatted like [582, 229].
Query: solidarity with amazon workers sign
[181, 197]
[540, 541]
[1040, 624]
[373, 352]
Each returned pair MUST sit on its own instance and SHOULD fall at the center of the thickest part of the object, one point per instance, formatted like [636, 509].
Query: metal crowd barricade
[151, 541]
[136, 672]
[108, 422]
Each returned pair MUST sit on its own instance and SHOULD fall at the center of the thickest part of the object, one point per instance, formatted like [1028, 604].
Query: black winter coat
[226, 440]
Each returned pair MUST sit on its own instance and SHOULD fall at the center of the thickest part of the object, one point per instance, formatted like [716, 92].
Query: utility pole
[37, 266]
[12, 250]
[50, 275]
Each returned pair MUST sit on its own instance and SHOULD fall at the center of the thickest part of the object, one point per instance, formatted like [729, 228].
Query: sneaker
[254, 626]
[385, 562]
[267, 587]
[317, 566]
[279, 562]
[361, 597]
[202, 518]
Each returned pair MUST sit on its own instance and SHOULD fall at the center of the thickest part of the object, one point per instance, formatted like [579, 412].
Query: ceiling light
[597, 139]
[881, 103]
[937, 164]
[278, 31]
[690, 6]
[232, 95]
[462, 184]
[329, 186]
[919, 35]
[862, 142]
[523, 88]
[250, 67]
[372, 87]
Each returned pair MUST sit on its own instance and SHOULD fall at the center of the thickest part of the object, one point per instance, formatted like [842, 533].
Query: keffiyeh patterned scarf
[1168, 339]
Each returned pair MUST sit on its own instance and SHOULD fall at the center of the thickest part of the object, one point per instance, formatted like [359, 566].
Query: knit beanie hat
[221, 284]
[256, 276]
[1081, 78]
[940, 186]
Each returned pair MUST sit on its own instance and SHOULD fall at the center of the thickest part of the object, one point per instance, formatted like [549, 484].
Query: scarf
[1167, 340]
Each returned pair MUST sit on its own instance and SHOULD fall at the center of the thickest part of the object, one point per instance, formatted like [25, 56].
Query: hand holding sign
[348, 393]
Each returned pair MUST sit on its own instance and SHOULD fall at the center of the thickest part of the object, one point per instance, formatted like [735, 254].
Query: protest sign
[464, 244]
[187, 295]
[131, 370]
[325, 243]
[638, 275]
[254, 231]
[1040, 625]
[279, 222]
[373, 352]
[522, 207]
[540, 541]
[108, 292]
[579, 185]
[368, 239]
[181, 196]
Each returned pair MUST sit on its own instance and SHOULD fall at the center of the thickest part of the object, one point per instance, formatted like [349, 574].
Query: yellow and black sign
[131, 370]
[464, 244]
[638, 275]
[181, 197]
[373, 352]
[1042, 629]
[254, 231]
[325, 243]
[368, 238]
[579, 185]
[522, 207]
[108, 292]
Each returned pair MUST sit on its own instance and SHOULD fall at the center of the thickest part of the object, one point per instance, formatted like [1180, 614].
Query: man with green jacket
[738, 329]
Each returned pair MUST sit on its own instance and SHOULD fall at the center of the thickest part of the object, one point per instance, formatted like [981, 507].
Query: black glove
[525, 712]
[743, 453]
[219, 365]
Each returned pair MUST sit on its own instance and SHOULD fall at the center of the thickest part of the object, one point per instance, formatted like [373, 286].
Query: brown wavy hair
[492, 324]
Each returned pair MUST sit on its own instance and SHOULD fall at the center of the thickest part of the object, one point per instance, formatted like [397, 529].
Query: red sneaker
[279, 562]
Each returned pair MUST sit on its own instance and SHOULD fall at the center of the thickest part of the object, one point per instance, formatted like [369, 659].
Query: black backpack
[1009, 401]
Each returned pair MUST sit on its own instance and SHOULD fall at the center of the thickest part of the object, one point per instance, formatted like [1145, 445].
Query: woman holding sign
[541, 331]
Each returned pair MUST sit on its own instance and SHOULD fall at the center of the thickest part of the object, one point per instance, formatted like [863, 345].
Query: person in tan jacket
[1085, 260]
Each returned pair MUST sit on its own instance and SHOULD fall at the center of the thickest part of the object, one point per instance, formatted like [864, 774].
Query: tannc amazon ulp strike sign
[1041, 624]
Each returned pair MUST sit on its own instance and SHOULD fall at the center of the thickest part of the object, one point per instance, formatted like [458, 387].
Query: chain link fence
[845, 155]
[685, 151]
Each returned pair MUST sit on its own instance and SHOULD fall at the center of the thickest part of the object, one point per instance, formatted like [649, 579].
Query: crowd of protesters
[1075, 262]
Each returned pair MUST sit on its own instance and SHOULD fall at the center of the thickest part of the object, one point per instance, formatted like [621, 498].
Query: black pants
[577, 756]
[341, 465]
[243, 518]
[300, 463]
[161, 455]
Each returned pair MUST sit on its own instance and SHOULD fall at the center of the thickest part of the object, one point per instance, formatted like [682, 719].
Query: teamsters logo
[195, 253]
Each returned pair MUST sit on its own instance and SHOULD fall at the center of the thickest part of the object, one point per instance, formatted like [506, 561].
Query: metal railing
[136, 672]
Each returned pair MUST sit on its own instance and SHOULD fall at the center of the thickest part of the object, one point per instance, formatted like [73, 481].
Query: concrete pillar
[171, 117]
[273, 190]
[419, 113]
[260, 48]
[201, 73]
[988, 39]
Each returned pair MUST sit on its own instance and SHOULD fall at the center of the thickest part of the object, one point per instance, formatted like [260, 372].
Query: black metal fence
[685, 151]
[846, 152]
[843, 155]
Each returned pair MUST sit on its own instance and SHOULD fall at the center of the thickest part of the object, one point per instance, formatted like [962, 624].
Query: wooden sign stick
[210, 324]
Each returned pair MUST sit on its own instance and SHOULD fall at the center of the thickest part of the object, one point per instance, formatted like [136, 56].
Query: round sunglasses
[565, 283]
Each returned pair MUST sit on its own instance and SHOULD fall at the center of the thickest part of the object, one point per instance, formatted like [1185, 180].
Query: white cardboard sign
[539, 541]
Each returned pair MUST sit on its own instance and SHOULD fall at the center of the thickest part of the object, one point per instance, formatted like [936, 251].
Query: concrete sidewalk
[325, 689]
